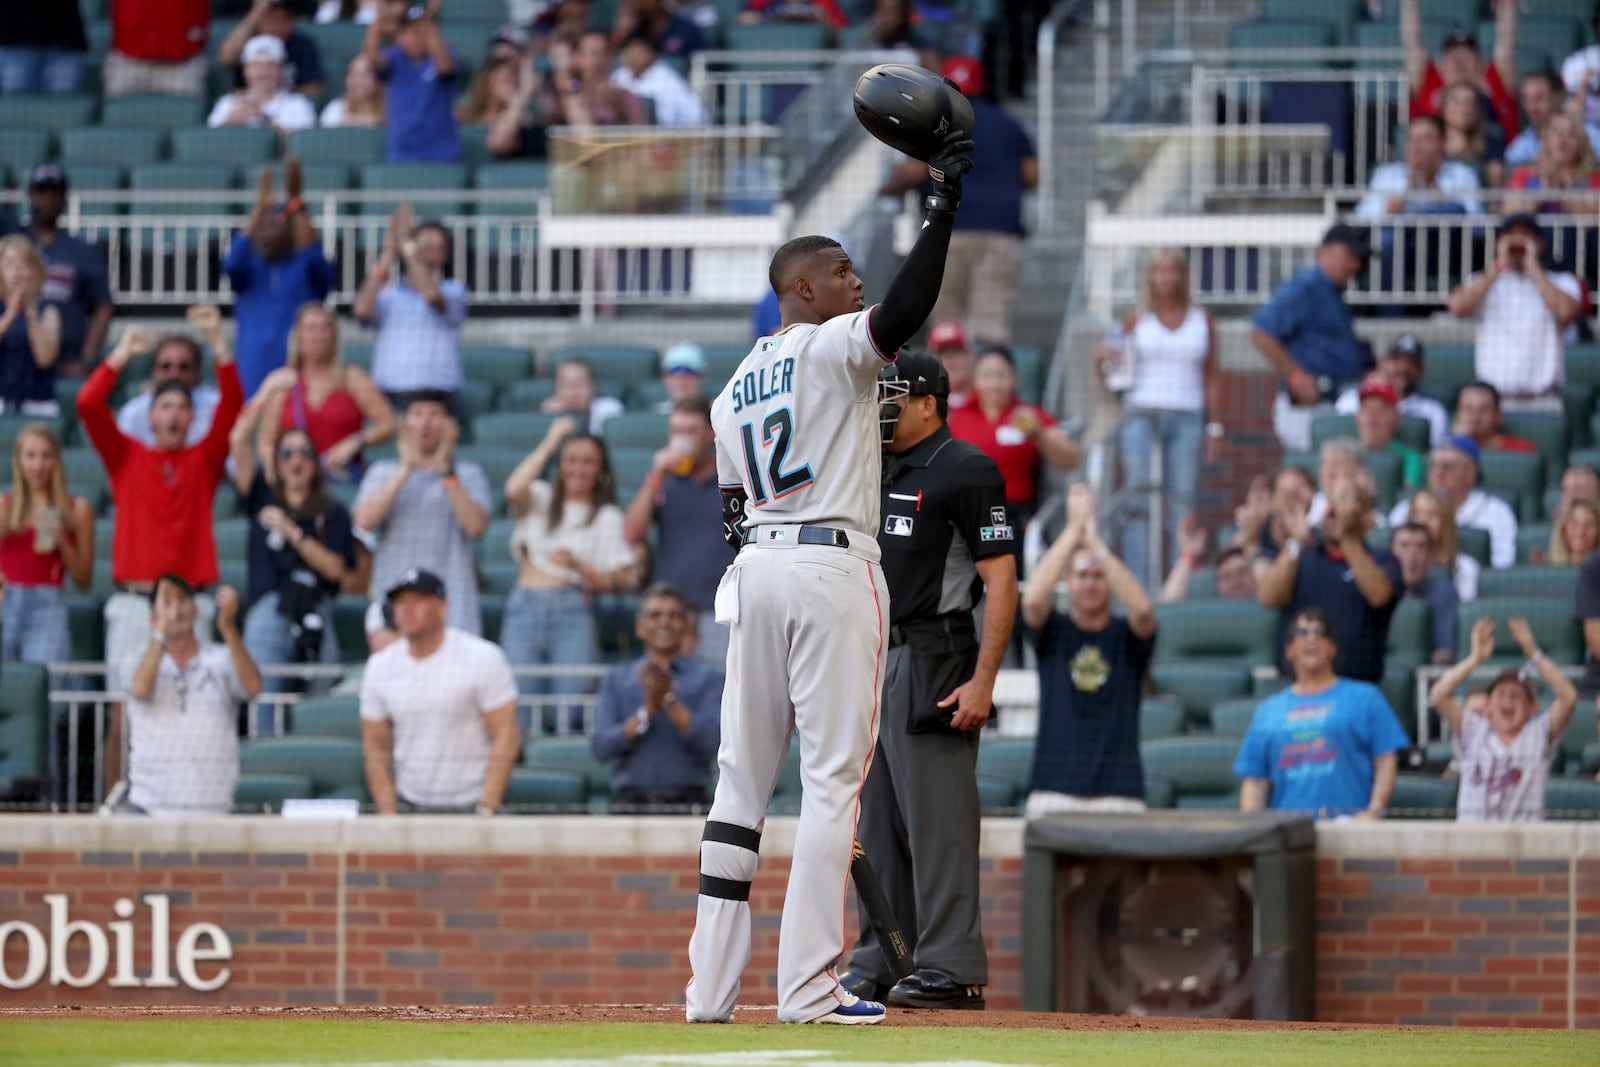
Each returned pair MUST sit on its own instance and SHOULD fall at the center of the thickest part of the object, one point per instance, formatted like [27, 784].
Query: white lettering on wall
[198, 943]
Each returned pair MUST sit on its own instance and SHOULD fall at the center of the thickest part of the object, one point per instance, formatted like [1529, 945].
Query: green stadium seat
[233, 538]
[326, 717]
[333, 764]
[356, 353]
[573, 756]
[1231, 718]
[777, 37]
[527, 396]
[1413, 430]
[177, 177]
[265, 793]
[615, 620]
[1589, 761]
[1200, 768]
[1538, 35]
[1423, 796]
[500, 365]
[497, 463]
[1338, 14]
[545, 792]
[519, 175]
[787, 794]
[349, 626]
[1548, 434]
[1536, 535]
[46, 111]
[24, 730]
[86, 475]
[635, 431]
[723, 359]
[86, 624]
[1519, 472]
[1571, 799]
[1411, 629]
[474, 397]
[22, 149]
[1399, 687]
[154, 111]
[111, 147]
[1283, 34]
[500, 577]
[239, 146]
[12, 425]
[1550, 618]
[1200, 684]
[406, 180]
[478, 11]
[475, 151]
[1445, 369]
[495, 544]
[348, 146]
[1231, 630]
[319, 179]
[1577, 400]
[1160, 717]
[1576, 740]
[1543, 580]
[1005, 769]
[629, 467]
[1471, 541]
[492, 609]
[624, 363]
[520, 430]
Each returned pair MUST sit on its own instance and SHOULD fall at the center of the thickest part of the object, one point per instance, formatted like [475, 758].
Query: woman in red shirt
[45, 535]
[1012, 432]
[336, 404]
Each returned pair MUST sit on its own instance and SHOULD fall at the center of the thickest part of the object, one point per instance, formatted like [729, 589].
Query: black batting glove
[945, 168]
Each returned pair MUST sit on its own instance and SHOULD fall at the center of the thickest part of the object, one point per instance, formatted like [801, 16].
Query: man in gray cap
[947, 539]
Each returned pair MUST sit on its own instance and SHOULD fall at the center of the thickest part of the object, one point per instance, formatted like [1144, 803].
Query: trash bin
[1197, 913]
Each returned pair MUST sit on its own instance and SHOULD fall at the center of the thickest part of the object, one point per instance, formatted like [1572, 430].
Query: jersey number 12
[779, 483]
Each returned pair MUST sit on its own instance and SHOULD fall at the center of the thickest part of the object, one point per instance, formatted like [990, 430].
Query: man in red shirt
[157, 47]
[1460, 61]
[163, 494]
[1478, 415]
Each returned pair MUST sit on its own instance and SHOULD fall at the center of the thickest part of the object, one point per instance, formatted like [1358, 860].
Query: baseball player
[799, 461]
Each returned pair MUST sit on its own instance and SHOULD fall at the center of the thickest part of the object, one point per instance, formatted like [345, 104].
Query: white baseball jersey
[797, 426]
[1501, 782]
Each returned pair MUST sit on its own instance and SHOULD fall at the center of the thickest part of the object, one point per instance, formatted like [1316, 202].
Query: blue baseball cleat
[862, 1012]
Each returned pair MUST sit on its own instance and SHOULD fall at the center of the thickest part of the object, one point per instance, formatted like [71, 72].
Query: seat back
[640, 430]
[1550, 618]
[24, 730]
[501, 365]
[154, 111]
[350, 146]
[334, 764]
[1005, 768]
[1160, 717]
[1199, 767]
[242, 146]
[572, 756]
[1572, 799]
[1231, 629]
[545, 791]
[1542, 580]
[1423, 796]
[111, 147]
[326, 717]
[264, 792]
[1231, 718]
[406, 180]
[1200, 684]
[624, 363]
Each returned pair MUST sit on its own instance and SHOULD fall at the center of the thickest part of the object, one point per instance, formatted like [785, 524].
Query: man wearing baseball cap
[1453, 473]
[1401, 366]
[263, 101]
[302, 63]
[1305, 331]
[438, 710]
[1378, 420]
[1522, 310]
[75, 282]
[1461, 61]
[948, 341]
[683, 374]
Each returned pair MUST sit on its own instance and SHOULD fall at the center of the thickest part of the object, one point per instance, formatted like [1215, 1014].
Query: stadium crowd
[1399, 490]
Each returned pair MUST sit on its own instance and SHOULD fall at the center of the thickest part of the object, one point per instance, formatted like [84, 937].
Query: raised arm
[1566, 694]
[1411, 41]
[1466, 298]
[379, 418]
[78, 550]
[208, 320]
[228, 630]
[1442, 695]
[1039, 597]
[433, 41]
[232, 46]
[522, 477]
[1505, 42]
[1277, 585]
[93, 410]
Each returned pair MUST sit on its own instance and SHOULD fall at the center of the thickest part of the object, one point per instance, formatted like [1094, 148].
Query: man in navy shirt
[75, 281]
[275, 266]
[1336, 573]
[1092, 668]
[1305, 332]
[980, 277]
[1326, 744]
[660, 717]
[420, 74]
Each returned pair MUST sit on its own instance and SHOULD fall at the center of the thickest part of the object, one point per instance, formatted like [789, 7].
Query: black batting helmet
[911, 109]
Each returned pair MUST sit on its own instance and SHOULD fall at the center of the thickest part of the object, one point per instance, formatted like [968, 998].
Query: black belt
[955, 624]
[823, 535]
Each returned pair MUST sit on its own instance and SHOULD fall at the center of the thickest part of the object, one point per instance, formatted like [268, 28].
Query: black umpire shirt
[944, 508]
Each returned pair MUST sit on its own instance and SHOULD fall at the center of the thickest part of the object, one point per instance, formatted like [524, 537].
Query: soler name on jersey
[763, 384]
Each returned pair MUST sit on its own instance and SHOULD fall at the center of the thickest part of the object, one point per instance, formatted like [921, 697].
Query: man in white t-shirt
[1401, 367]
[1504, 753]
[644, 74]
[183, 707]
[263, 101]
[1453, 474]
[438, 710]
[1523, 311]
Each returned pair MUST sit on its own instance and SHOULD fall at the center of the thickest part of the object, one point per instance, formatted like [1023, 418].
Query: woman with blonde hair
[1566, 165]
[1430, 509]
[1174, 384]
[1576, 534]
[30, 333]
[363, 101]
[45, 535]
[336, 404]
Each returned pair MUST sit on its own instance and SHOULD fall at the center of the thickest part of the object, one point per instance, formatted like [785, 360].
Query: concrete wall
[1417, 922]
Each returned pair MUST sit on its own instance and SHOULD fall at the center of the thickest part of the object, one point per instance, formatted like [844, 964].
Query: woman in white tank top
[1174, 384]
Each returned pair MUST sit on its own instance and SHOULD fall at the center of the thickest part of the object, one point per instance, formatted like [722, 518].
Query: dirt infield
[650, 1013]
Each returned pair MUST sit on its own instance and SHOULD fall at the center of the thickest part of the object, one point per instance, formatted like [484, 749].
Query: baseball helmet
[911, 109]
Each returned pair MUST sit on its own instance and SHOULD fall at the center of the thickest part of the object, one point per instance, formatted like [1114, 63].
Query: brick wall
[1417, 923]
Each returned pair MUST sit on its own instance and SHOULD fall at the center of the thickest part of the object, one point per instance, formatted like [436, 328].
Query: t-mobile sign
[199, 943]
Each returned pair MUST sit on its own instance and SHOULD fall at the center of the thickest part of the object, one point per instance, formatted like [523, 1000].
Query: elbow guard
[733, 516]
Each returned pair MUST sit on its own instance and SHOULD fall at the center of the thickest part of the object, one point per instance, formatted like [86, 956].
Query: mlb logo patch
[899, 525]
[777, 534]
[997, 516]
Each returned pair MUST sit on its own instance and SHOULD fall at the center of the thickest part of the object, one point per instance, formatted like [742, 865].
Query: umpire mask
[911, 374]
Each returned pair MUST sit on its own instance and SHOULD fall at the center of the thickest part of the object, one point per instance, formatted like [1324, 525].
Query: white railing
[1177, 169]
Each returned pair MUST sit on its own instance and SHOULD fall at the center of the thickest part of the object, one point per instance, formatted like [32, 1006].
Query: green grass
[65, 1042]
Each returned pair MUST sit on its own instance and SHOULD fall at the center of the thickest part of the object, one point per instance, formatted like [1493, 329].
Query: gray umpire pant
[919, 826]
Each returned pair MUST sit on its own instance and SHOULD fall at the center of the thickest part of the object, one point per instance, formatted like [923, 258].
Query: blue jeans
[1180, 435]
[270, 642]
[549, 627]
[33, 629]
[40, 70]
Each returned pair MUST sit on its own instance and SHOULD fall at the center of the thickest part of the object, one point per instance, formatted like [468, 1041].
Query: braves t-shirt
[1317, 749]
[1090, 684]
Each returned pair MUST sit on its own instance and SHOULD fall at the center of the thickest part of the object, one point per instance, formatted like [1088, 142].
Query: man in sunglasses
[1325, 745]
[177, 359]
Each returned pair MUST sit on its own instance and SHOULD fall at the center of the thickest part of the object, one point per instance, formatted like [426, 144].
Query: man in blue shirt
[420, 74]
[1336, 574]
[1305, 332]
[418, 312]
[1325, 745]
[660, 717]
[275, 266]
[980, 277]
[75, 281]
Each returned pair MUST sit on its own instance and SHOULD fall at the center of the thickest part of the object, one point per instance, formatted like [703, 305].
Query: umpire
[946, 540]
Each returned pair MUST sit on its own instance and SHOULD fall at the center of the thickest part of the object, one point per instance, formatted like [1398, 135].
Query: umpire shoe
[863, 987]
[930, 989]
